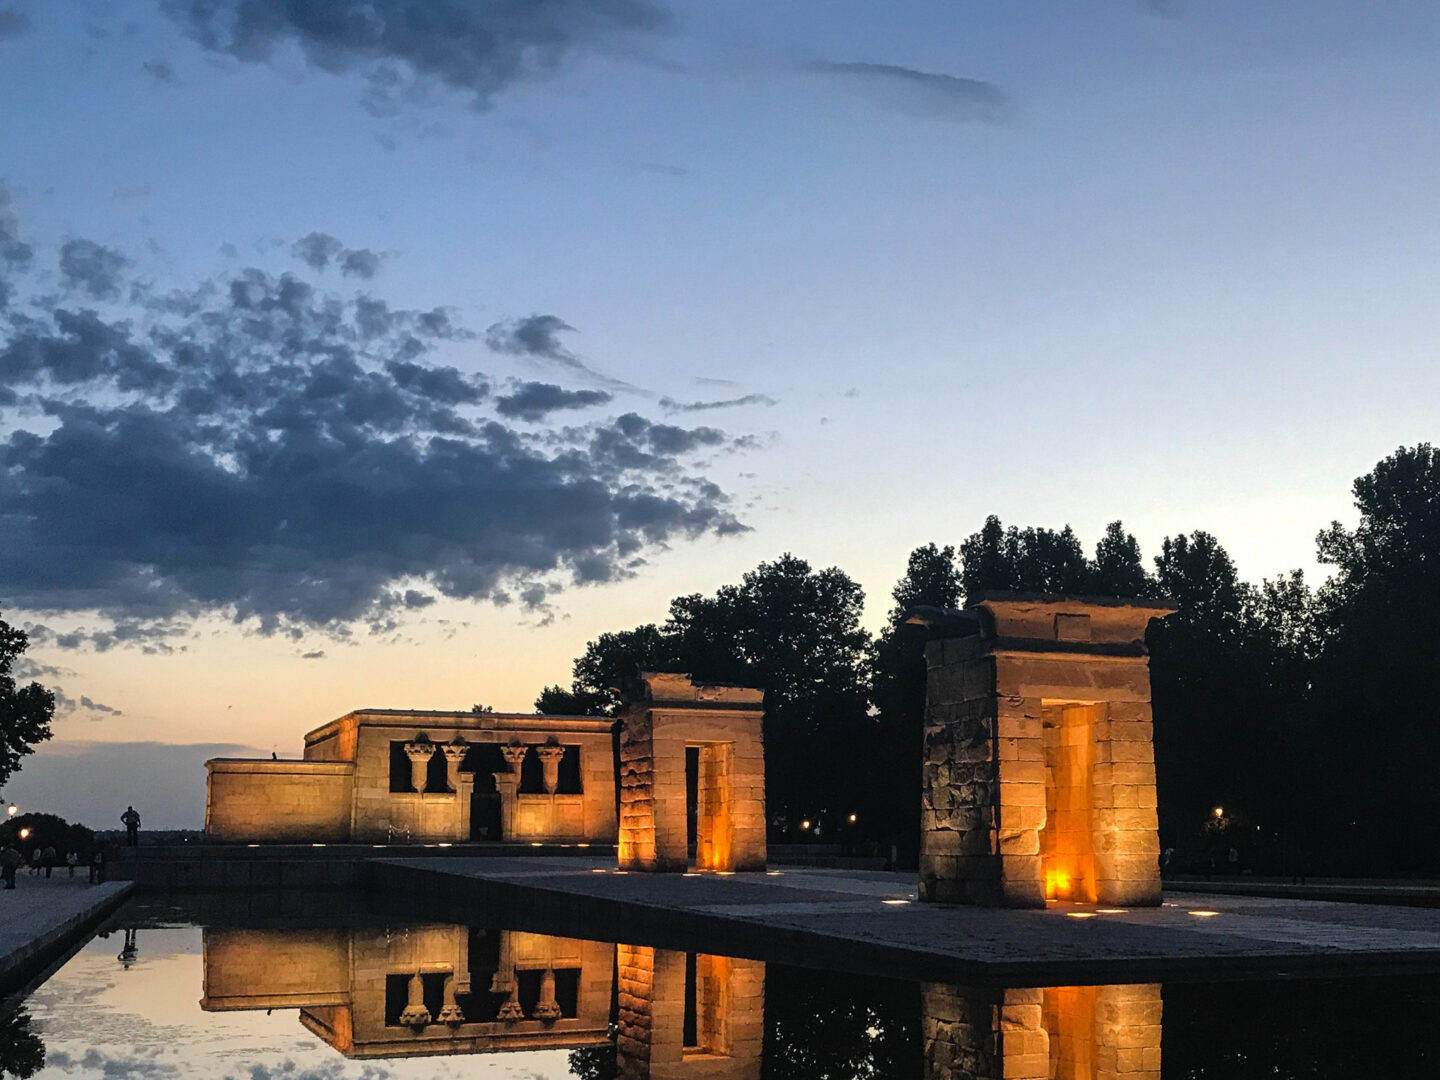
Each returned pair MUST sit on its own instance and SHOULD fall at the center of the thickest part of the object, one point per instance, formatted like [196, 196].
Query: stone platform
[43, 919]
[871, 923]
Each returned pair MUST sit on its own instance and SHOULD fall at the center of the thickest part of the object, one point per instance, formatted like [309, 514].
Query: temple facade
[389, 776]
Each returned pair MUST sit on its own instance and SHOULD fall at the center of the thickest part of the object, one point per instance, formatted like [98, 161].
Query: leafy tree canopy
[25, 711]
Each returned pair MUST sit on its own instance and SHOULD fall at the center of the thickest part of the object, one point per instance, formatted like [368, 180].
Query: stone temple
[1039, 771]
[1038, 767]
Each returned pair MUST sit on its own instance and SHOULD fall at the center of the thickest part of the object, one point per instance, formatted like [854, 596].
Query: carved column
[419, 752]
[550, 756]
[547, 1009]
[463, 784]
[415, 1014]
[507, 784]
[450, 1012]
[454, 754]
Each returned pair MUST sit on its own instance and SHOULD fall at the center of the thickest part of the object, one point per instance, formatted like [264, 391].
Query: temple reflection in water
[445, 989]
[1054, 1033]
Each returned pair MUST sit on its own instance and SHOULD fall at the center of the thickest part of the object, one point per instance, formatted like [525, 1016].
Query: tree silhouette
[25, 711]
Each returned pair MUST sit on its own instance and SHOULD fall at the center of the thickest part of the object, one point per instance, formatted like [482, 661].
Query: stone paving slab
[871, 922]
[42, 917]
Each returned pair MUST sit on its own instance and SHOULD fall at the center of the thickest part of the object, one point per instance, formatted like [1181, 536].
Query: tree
[1374, 683]
[22, 1053]
[786, 629]
[932, 577]
[25, 711]
[1023, 560]
[1118, 569]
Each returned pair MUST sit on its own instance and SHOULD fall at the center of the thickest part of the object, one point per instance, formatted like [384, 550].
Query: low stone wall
[278, 801]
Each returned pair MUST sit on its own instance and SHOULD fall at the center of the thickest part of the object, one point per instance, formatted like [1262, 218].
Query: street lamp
[25, 834]
[1219, 811]
[12, 809]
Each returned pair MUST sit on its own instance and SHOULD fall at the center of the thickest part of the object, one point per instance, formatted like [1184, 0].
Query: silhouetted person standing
[48, 858]
[10, 861]
[131, 820]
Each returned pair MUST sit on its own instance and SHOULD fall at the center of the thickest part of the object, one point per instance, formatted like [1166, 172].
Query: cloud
[95, 706]
[314, 654]
[318, 250]
[671, 405]
[921, 93]
[257, 448]
[404, 48]
[534, 401]
[91, 782]
[13, 23]
[159, 70]
[537, 337]
[93, 268]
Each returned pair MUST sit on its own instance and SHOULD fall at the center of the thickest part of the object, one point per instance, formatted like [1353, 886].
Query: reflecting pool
[382, 999]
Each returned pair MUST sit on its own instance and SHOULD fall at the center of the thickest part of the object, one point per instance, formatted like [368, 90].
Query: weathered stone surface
[1038, 773]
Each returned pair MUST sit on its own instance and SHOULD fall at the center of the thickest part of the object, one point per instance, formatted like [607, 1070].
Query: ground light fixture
[1204, 914]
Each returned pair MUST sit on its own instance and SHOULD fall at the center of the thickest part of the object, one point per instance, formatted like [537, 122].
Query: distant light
[1204, 914]
[690, 873]
[536, 843]
[252, 845]
[1219, 811]
[12, 809]
[24, 834]
[1110, 911]
[600, 871]
[317, 845]
[773, 873]
[1080, 914]
[582, 845]
[805, 824]
[443, 845]
[725, 873]
[619, 871]
[894, 901]
[853, 819]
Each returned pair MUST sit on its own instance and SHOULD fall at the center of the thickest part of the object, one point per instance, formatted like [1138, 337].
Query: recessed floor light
[1204, 914]
[1080, 914]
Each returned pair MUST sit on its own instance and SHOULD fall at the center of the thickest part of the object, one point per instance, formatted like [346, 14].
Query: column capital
[549, 753]
[419, 751]
[454, 752]
[514, 754]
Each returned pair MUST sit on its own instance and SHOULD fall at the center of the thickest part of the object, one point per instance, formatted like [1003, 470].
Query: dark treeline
[1304, 713]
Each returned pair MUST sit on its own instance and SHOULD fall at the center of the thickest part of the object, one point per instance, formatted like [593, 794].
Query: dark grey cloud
[94, 269]
[403, 47]
[921, 93]
[314, 654]
[318, 250]
[537, 337]
[672, 405]
[95, 706]
[159, 70]
[261, 449]
[13, 22]
[534, 401]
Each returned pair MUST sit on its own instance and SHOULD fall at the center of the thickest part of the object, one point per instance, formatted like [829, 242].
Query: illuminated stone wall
[280, 801]
[1039, 769]
[669, 714]
[727, 1024]
[1056, 1033]
[338, 979]
[342, 790]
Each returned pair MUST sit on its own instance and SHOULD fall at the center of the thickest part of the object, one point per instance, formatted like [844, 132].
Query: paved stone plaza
[868, 921]
[44, 915]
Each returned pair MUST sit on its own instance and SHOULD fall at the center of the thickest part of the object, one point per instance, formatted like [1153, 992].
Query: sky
[381, 354]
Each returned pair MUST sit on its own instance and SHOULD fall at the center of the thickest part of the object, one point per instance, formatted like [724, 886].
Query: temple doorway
[484, 760]
[1067, 842]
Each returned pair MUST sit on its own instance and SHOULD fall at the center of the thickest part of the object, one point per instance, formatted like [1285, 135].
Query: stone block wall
[670, 714]
[1039, 770]
[1055, 1033]
[278, 801]
[729, 997]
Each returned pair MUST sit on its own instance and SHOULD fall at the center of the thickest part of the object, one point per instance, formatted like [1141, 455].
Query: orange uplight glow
[1057, 885]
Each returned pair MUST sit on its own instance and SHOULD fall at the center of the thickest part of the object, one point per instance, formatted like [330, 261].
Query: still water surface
[405, 1000]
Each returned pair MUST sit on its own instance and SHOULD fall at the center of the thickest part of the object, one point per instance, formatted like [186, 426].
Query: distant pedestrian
[1234, 860]
[1165, 860]
[131, 820]
[97, 867]
[49, 858]
[72, 859]
[10, 861]
[35, 862]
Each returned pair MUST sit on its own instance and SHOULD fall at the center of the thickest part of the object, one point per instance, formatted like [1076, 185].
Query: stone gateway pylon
[1039, 771]
[679, 734]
